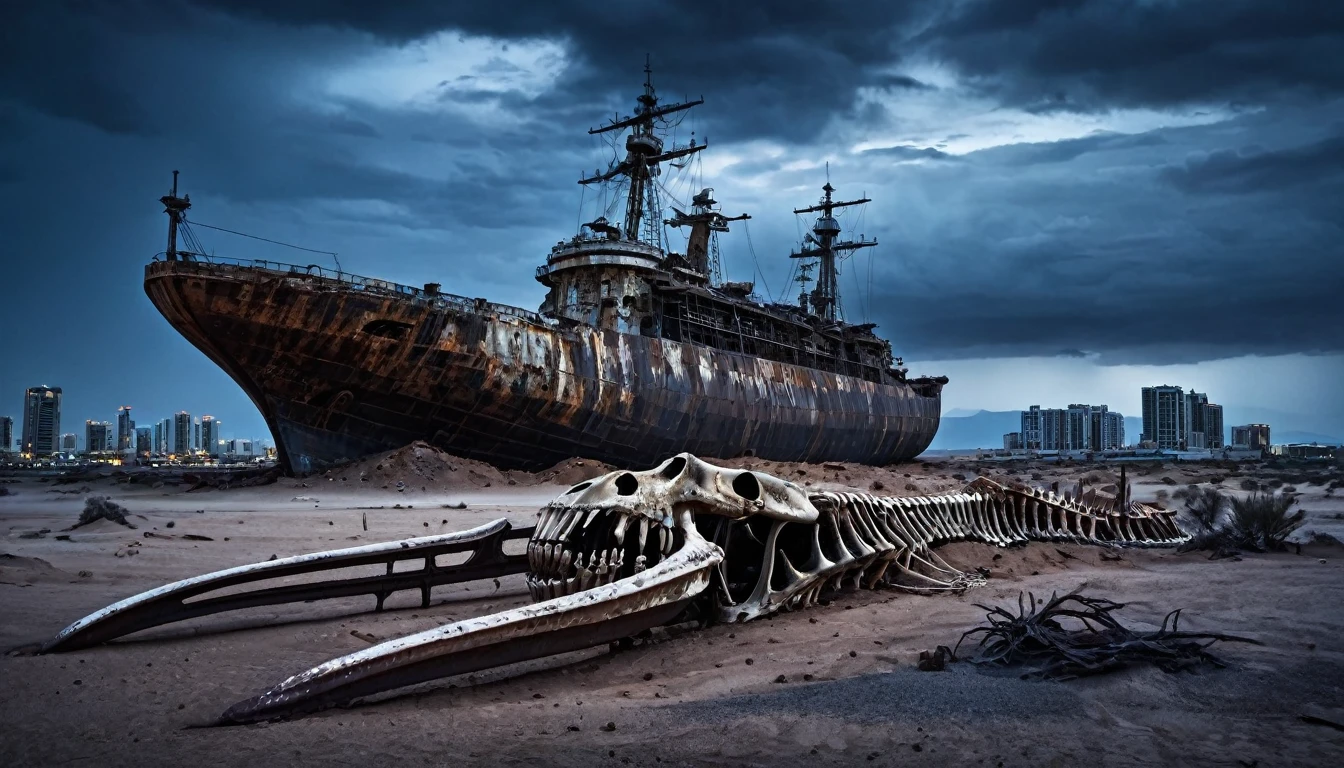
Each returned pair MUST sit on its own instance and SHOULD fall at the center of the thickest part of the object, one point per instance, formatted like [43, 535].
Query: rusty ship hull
[344, 367]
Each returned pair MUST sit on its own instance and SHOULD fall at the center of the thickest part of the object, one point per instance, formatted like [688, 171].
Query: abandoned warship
[636, 353]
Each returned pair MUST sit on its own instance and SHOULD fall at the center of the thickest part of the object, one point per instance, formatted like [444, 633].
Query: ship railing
[198, 262]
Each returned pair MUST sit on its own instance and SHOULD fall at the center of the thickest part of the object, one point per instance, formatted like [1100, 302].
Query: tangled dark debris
[102, 508]
[1100, 644]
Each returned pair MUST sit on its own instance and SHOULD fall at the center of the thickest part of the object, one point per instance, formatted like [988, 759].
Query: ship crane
[821, 244]
[702, 247]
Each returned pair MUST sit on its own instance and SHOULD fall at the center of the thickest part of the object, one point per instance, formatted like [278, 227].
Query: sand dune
[851, 692]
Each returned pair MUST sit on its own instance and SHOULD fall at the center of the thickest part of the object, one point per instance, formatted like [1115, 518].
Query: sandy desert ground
[851, 692]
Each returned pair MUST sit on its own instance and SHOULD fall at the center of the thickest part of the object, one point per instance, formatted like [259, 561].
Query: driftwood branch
[1100, 644]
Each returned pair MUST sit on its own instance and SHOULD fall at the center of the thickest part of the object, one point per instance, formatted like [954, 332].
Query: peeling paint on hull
[340, 372]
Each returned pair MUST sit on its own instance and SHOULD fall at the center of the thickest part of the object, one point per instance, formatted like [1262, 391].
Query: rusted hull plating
[341, 373]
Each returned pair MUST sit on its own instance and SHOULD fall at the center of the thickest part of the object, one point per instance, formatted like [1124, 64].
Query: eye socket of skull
[740, 493]
[701, 486]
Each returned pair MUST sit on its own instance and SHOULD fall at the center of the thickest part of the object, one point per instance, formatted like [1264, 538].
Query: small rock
[782, 679]
[648, 675]
[750, 662]
[609, 727]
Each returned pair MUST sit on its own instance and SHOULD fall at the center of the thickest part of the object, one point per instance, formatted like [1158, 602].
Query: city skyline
[1048, 212]
[112, 431]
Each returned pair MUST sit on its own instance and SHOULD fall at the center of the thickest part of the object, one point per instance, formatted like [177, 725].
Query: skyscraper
[1031, 428]
[1195, 410]
[209, 435]
[1164, 417]
[6, 434]
[125, 429]
[165, 438]
[182, 433]
[196, 435]
[144, 441]
[1076, 428]
[97, 436]
[69, 442]
[41, 420]
[1213, 425]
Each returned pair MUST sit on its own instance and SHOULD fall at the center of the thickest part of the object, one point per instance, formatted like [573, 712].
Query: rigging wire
[263, 239]
[752, 248]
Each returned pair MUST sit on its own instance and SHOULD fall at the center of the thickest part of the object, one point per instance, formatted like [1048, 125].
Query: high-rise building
[125, 429]
[144, 441]
[1213, 426]
[6, 434]
[1194, 420]
[41, 420]
[1076, 428]
[1031, 428]
[182, 433]
[196, 435]
[164, 441]
[1164, 417]
[210, 435]
[69, 442]
[1112, 430]
[97, 436]
[1252, 436]
[1013, 441]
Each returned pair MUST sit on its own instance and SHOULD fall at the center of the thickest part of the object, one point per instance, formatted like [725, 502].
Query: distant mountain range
[961, 429]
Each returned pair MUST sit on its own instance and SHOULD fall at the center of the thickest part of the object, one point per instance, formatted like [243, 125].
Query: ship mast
[821, 244]
[643, 154]
[175, 207]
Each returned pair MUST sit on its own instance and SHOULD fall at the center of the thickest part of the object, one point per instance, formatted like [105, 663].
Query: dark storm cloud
[1254, 170]
[1068, 149]
[56, 63]
[780, 68]
[908, 152]
[1115, 251]
[1095, 55]
[1166, 244]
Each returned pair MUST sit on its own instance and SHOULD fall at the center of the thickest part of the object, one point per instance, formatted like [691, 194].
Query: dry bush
[1205, 508]
[102, 508]
[1261, 521]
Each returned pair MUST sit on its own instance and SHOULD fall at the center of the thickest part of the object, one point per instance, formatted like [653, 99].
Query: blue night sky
[1074, 198]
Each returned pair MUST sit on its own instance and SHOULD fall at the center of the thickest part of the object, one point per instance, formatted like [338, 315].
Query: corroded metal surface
[340, 371]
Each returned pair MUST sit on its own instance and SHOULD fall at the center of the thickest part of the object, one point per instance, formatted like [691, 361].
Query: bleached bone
[168, 604]
[563, 624]
[689, 540]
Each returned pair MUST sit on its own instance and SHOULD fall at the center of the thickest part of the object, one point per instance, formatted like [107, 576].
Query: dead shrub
[1205, 508]
[102, 508]
[1262, 522]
